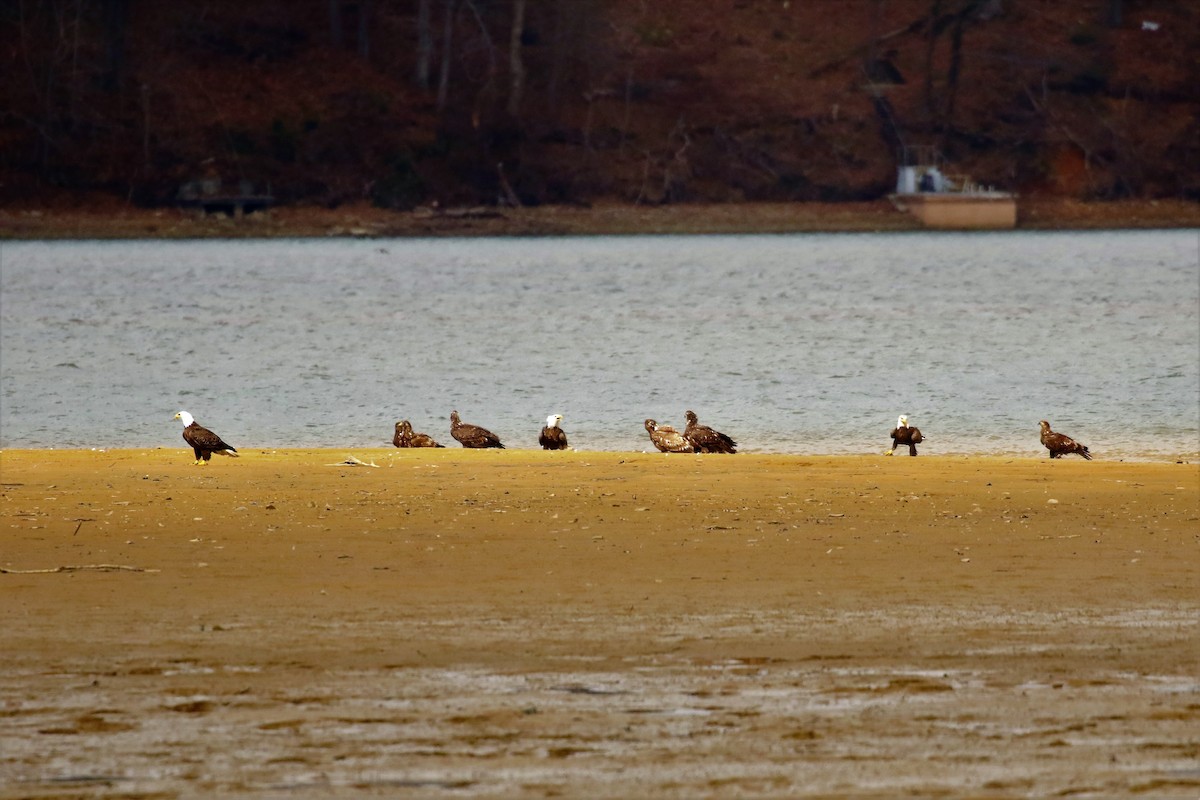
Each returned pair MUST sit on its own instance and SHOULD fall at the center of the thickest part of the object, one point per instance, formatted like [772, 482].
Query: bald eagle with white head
[667, 439]
[203, 441]
[1060, 444]
[903, 434]
[553, 437]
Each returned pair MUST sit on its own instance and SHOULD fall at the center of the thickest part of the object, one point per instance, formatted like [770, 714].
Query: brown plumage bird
[553, 437]
[472, 436]
[903, 434]
[404, 437]
[706, 440]
[667, 439]
[1060, 445]
[203, 441]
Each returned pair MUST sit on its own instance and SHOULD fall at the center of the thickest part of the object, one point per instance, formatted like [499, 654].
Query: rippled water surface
[804, 343]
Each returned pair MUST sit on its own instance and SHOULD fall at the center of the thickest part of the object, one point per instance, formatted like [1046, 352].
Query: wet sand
[480, 623]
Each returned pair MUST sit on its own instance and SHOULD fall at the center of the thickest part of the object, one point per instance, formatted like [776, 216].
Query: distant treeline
[410, 102]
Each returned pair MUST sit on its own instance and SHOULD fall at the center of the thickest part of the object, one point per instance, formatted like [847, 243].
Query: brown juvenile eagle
[1060, 445]
[472, 436]
[902, 434]
[552, 436]
[667, 439]
[405, 437]
[704, 439]
[203, 441]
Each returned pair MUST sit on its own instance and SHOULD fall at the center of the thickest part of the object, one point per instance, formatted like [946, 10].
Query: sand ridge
[487, 623]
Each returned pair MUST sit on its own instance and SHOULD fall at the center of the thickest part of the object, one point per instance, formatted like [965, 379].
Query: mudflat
[120, 221]
[517, 623]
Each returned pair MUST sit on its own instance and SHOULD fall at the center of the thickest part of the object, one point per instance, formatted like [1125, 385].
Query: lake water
[797, 344]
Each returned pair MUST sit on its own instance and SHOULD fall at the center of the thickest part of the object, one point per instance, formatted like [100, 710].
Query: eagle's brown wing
[1060, 445]
[423, 440]
[474, 436]
[669, 440]
[552, 438]
[706, 440]
[202, 438]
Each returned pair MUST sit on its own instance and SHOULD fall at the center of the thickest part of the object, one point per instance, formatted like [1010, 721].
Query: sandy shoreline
[118, 222]
[481, 623]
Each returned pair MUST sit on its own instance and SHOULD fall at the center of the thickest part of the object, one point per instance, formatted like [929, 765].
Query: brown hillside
[622, 100]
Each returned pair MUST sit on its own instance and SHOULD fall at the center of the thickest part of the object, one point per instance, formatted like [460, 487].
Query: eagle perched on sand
[203, 441]
[706, 440]
[1060, 445]
[553, 437]
[667, 439]
[404, 437]
[903, 434]
[472, 436]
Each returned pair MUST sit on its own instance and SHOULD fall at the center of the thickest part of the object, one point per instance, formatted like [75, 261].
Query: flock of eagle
[694, 438]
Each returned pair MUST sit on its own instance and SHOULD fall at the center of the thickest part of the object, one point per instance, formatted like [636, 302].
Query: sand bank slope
[596, 624]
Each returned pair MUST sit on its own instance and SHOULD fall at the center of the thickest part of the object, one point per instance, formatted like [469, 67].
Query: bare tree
[335, 23]
[424, 41]
[955, 68]
[515, 62]
[364, 27]
[1115, 13]
[443, 94]
[935, 12]
[577, 52]
[115, 14]
[487, 87]
[958, 18]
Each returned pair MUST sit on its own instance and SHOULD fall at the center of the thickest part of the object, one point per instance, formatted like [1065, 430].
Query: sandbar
[455, 623]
